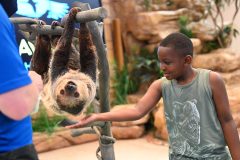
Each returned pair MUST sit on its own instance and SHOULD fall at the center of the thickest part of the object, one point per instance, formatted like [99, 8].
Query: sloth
[69, 75]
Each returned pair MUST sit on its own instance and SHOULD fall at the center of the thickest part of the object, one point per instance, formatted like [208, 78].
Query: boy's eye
[167, 63]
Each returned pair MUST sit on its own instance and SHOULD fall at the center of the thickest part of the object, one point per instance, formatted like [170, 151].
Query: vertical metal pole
[106, 147]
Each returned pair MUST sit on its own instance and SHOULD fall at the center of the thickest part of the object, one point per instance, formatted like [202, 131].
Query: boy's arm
[146, 103]
[224, 114]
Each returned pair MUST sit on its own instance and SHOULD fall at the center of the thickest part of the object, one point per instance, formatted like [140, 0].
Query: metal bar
[91, 15]
[23, 20]
[110, 139]
[83, 16]
[79, 132]
[106, 146]
[107, 151]
[44, 29]
[67, 122]
[30, 24]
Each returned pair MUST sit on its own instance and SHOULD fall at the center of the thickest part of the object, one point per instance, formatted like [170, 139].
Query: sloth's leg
[41, 57]
[88, 60]
[63, 48]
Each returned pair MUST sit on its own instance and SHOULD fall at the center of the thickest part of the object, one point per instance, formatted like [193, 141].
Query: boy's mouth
[166, 74]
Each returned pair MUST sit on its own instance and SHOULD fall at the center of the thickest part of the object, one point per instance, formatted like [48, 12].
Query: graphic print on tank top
[184, 129]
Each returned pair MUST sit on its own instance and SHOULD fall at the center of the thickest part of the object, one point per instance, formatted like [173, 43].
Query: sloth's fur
[69, 76]
[52, 98]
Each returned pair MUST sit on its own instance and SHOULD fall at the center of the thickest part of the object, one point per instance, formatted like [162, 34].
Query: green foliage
[147, 4]
[210, 45]
[43, 123]
[144, 67]
[121, 82]
[183, 22]
[224, 37]
[166, 2]
[90, 109]
[169, 2]
[215, 10]
[227, 30]
[235, 32]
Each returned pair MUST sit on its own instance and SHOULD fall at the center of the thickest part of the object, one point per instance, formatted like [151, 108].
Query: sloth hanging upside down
[69, 75]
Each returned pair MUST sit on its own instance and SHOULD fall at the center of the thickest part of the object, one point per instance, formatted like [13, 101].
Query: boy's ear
[188, 59]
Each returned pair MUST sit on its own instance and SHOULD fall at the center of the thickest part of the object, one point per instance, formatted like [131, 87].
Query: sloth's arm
[63, 48]
[87, 52]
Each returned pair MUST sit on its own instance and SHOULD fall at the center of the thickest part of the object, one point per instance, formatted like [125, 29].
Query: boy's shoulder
[164, 80]
[211, 78]
[212, 74]
[203, 70]
[157, 83]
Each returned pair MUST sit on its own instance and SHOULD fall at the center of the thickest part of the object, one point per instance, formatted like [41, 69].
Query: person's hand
[84, 121]
[36, 79]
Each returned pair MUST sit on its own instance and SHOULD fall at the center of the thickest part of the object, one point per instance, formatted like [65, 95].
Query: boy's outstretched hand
[84, 121]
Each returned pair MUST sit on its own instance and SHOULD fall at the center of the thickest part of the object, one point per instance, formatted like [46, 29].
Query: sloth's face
[73, 96]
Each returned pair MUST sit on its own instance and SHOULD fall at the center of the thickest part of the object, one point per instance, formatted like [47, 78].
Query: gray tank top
[193, 127]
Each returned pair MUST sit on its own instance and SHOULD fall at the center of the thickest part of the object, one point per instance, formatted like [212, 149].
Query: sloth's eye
[62, 92]
[76, 94]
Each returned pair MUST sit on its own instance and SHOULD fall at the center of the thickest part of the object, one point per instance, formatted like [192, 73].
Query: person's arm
[18, 95]
[18, 103]
[145, 104]
[224, 114]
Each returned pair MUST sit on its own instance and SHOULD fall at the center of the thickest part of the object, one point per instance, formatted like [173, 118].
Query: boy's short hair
[178, 42]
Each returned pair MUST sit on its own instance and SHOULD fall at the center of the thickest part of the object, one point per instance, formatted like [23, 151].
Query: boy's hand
[84, 121]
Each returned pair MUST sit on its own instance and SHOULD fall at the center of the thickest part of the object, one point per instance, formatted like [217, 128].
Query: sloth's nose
[70, 87]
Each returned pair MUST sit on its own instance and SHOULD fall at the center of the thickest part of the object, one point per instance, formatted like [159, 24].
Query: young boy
[198, 117]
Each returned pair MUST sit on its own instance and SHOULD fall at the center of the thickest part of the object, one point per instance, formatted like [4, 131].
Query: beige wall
[228, 13]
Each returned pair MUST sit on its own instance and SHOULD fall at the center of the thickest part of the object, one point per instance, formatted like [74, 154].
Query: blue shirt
[13, 75]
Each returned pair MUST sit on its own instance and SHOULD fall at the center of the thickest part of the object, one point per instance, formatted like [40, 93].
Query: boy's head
[178, 42]
[175, 55]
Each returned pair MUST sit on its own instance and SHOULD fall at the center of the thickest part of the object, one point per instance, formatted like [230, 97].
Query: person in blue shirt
[19, 91]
